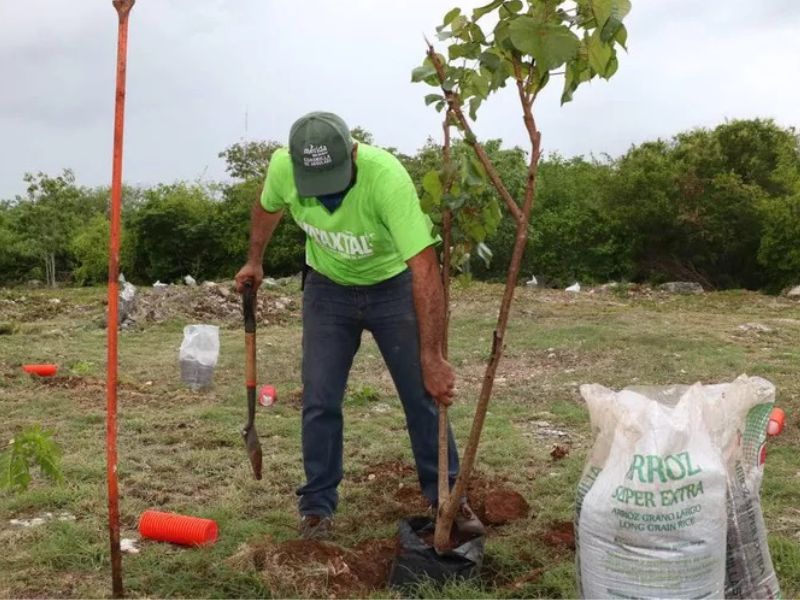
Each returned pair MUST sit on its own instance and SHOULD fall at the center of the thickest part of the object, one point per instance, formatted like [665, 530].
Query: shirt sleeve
[401, 213]
[273, 195]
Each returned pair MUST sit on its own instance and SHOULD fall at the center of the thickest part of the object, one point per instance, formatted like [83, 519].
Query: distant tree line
[717, 206]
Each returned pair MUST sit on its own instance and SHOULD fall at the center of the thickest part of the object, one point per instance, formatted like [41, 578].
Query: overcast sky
[195, 67]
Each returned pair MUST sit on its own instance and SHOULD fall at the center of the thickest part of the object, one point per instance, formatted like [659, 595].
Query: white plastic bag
[198, 355]
[652, 511]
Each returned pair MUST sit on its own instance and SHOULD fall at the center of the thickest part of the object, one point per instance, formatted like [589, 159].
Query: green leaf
[474, 104]
[480, 85]
[613, 65]
[621, 37]
[432, 186]
[489, 60]
[448, 173]
[600, 54]
[607, 9]
[484, 253]
[440, 106]
[482, 10]
[550, 45]
[454, 202]
[512, 6]
[468, 50]
[472, 172]
[492, 215]
[458, 24]
[451, 14]
[476, 33]
[423, 72]
[472, 227]
[431, 98]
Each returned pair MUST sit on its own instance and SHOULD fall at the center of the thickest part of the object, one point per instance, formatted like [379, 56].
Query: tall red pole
[123, 9]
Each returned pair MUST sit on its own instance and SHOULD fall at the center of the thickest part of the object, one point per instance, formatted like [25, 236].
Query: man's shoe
[315, 527]
[467, 522]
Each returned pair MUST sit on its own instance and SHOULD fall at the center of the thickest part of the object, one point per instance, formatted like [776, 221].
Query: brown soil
[313, 568]
[559, 451]
[410, 496]
[560, 535]
[502, 506]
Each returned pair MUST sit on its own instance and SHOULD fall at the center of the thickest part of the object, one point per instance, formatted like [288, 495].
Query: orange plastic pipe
[41, 370]
[177, 529]
[123, 8]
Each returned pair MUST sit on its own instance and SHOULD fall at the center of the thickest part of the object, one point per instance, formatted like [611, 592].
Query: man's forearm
[262, 226]
[428, 302]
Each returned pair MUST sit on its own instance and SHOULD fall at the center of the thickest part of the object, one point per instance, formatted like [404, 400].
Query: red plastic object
[177, 529]
[41, 370]
[267, 396]
[777, 419]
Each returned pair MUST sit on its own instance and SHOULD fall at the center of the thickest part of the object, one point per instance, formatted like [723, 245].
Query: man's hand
[262, 224]
[252, 271]
[439, 379]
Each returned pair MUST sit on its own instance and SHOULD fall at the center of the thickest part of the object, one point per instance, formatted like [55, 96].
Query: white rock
[757, 327]
[532, 282]
[269, 282]
[159, 287]
[34, 522]
[575, 287]
[54, 301]
[794, 292]
[190, 281]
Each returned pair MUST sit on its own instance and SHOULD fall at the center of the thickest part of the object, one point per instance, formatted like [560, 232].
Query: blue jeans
[334, 316]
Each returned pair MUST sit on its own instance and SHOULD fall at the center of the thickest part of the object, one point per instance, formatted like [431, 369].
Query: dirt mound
[311, 568]
[560, 535]
[395, 494]
[502, 506]
[559, 451]
[210, 302]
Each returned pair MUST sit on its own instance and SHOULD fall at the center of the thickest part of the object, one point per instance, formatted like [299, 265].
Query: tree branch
[447, 226]
[454, 102]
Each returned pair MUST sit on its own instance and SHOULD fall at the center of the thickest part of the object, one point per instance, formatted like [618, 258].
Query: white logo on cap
[316, 156]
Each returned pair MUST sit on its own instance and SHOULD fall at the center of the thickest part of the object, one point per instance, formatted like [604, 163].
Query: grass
[181, 450]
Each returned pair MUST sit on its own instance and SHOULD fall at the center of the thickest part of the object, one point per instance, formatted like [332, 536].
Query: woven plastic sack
[659, 485]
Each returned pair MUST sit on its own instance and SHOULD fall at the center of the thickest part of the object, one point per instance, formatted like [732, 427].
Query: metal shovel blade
[253, 446]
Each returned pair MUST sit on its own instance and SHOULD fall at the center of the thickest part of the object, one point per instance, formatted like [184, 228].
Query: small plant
[364, 395]
[82, 368]
[33, 446]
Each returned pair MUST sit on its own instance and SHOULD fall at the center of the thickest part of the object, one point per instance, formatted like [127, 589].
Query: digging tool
[252, 444]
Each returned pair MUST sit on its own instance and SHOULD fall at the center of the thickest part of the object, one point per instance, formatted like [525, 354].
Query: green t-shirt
[378, 226]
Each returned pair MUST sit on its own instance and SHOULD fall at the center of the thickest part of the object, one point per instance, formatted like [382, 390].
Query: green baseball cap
[322, 154]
